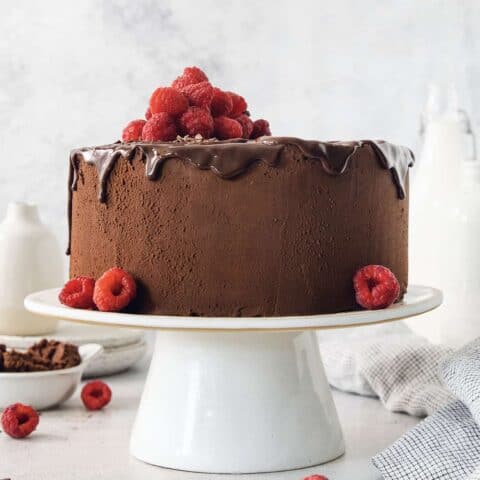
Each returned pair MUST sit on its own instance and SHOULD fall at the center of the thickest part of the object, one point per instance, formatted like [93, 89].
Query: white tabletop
[79, 445]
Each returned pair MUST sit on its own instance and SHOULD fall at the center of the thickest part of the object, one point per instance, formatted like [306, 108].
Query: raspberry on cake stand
[237, 395]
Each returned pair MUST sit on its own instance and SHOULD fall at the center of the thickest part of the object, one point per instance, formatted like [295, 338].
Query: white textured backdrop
[72, 73]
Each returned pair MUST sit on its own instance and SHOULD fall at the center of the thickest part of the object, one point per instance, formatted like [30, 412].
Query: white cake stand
[237, 395]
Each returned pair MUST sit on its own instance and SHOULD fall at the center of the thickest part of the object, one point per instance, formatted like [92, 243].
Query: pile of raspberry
[193, 107]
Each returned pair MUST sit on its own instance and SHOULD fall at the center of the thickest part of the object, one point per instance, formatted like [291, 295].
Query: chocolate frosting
[230, 158]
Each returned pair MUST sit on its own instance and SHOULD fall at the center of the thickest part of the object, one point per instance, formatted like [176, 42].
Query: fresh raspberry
[168, 100]
[19, 420]
[226, 128]
[376, 287]
[148, 114]
[78, 293]
[260, 128]
[222, 103]
[96, 394]
[316, 477]
[199, 94]
[195, 121]
[133, 131]
[239, 105]
[161, 127]
[190, 76]
[114, 290]
[247, 125]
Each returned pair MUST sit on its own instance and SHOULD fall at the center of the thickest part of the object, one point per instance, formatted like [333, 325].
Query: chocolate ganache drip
[230, 158]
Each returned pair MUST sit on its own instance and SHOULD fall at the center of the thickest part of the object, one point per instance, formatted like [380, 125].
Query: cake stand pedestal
[237, 395]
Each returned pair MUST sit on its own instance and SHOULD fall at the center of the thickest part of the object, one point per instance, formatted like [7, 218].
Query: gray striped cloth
[410, 375]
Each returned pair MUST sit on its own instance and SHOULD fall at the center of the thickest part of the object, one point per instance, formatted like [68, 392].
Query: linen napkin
[389, 362]
[409, 374]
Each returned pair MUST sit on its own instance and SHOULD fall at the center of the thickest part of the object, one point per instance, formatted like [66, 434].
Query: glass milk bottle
[445, 225]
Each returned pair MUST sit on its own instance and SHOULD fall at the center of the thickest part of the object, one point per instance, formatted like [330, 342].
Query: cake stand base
[236, 402]
[237, 395]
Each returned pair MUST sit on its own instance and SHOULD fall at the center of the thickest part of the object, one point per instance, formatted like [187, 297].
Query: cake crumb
[42, 356]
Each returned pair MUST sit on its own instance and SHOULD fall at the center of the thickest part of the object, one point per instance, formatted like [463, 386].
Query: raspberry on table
[239, 105]
[19, 420]
[222, 103]
[195, 121]
[375, 287]
[260, 128]
[168, 100]
[189, 76]
[133, 131]
[247, 125]
[96, 394]
[161, 127]
[114, 290]
[316, 477]
[226, 128]
[78, 293]
[199, 94]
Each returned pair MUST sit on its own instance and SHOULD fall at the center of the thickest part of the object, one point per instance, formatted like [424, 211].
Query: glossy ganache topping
[231, 158]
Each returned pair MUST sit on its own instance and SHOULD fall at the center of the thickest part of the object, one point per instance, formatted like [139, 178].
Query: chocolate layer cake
[267, 227]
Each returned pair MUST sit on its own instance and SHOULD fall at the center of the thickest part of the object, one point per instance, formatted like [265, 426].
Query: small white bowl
[43, 390]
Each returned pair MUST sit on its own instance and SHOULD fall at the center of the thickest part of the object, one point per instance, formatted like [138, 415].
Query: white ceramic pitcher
[30, 260]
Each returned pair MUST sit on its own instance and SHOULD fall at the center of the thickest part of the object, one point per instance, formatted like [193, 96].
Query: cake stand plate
[237, 395]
